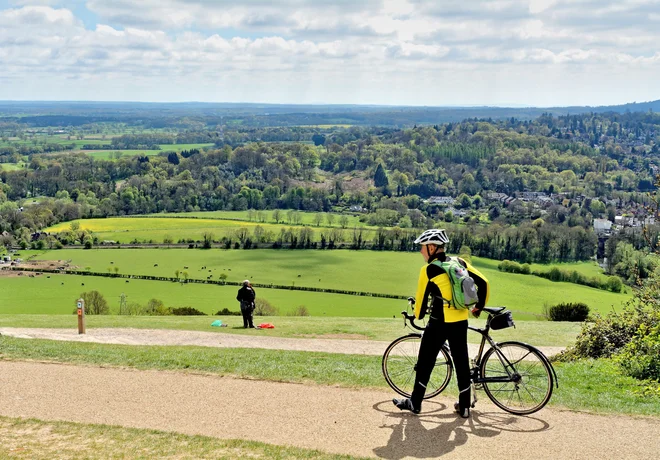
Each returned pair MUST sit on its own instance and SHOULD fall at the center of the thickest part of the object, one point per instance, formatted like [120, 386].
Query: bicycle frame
[475, 371]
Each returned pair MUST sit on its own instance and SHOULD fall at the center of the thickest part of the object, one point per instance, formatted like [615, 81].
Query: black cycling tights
[434, 337]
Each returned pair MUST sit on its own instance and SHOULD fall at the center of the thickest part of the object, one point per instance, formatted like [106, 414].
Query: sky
[540, 53]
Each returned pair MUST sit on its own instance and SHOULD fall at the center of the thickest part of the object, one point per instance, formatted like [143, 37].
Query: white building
[602, 225]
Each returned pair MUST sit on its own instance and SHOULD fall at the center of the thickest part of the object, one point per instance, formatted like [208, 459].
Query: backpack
[463, 289]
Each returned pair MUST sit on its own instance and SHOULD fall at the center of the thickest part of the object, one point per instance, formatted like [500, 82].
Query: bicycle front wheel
[400, 366]
[517, 378]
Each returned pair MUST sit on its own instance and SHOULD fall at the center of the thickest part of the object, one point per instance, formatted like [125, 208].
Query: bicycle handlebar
[411, 318]
[411, 301]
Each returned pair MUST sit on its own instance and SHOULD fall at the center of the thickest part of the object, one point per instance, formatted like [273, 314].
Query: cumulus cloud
[319, 48]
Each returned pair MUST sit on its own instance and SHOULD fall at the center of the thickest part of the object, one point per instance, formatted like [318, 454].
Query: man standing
[246, 296]
[446, 323]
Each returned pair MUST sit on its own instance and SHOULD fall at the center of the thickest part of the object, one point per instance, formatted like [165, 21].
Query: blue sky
[393, 52]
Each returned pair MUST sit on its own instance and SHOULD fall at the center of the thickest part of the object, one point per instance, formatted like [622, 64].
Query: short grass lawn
[539, 333]
[31, 439]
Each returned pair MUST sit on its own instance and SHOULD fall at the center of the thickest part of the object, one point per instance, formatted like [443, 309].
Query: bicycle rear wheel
[400, 366]
[519, 380]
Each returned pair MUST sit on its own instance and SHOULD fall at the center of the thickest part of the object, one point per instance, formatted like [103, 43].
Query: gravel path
[332, 419]
[131, 336]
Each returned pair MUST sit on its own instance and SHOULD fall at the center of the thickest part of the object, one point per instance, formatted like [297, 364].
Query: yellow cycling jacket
[434, 284]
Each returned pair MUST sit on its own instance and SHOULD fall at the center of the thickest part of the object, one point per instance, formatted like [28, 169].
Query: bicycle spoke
[530, 387]
[400, 363]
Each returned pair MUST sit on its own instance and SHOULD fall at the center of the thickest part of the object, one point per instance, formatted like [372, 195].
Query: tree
[330, 218]
[380, 177]
[343, 221]
[95, 303]
[277, 214]
[173, 158]
[318, 218]
[207, 238]
[318, 139]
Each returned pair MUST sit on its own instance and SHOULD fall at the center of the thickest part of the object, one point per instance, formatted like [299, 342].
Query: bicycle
[517, 377]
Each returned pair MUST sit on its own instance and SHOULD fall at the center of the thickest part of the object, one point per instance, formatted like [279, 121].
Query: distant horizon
[320, 104]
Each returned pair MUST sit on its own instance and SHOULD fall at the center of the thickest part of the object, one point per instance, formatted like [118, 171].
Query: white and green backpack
[463, 288]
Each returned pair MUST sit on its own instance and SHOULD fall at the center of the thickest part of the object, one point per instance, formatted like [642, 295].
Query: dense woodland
[590, 165]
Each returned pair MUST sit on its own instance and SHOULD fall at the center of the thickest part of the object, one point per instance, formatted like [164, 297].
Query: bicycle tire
[530, 388]
[399, 367]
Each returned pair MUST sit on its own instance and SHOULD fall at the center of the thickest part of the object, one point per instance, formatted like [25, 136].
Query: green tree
[380, 177]
[95, 303]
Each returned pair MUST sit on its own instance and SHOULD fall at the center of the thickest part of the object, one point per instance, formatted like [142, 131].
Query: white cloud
[315, 51]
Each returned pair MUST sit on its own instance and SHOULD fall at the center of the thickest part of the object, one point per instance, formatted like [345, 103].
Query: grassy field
[106, 154]
[57, 295]
[589, 269]
[577, 381]
[370, 271]
[145, 229]
[35, 439]
[540, 333]
[11, 166]
[307, 218]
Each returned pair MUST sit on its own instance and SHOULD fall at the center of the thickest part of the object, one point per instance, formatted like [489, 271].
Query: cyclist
[445, 322]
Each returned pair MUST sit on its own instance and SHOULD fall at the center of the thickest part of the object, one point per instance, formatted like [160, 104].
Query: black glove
[411, 300]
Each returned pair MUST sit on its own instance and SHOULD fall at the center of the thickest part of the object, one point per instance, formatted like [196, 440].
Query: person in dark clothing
[446, 323]
[246, 296]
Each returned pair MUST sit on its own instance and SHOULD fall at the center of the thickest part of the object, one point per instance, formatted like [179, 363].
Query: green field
[106, 154]
[368, 271]
[147, 229]
[11, 166]
[57, 295]
[307, 218]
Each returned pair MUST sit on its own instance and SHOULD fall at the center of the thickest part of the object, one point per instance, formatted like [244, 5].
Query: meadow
[150, 229]
[108, 154]
[306, 218]
[366, 271]
[11, 166]
[56, 294]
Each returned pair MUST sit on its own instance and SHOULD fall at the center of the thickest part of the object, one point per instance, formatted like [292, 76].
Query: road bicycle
[516, 376]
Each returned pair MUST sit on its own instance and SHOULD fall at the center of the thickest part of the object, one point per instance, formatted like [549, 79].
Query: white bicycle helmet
[433, 236]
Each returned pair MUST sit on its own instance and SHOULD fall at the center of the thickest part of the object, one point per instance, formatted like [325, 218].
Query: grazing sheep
[299, 276]
[82, 284]
[127, 281]
[155, 265]
[186, 268]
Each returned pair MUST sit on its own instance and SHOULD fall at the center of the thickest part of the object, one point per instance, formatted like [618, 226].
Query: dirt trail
[213, 339]
[331, 419]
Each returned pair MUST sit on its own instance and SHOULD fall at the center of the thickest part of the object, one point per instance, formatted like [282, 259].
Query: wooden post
[81, 316]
